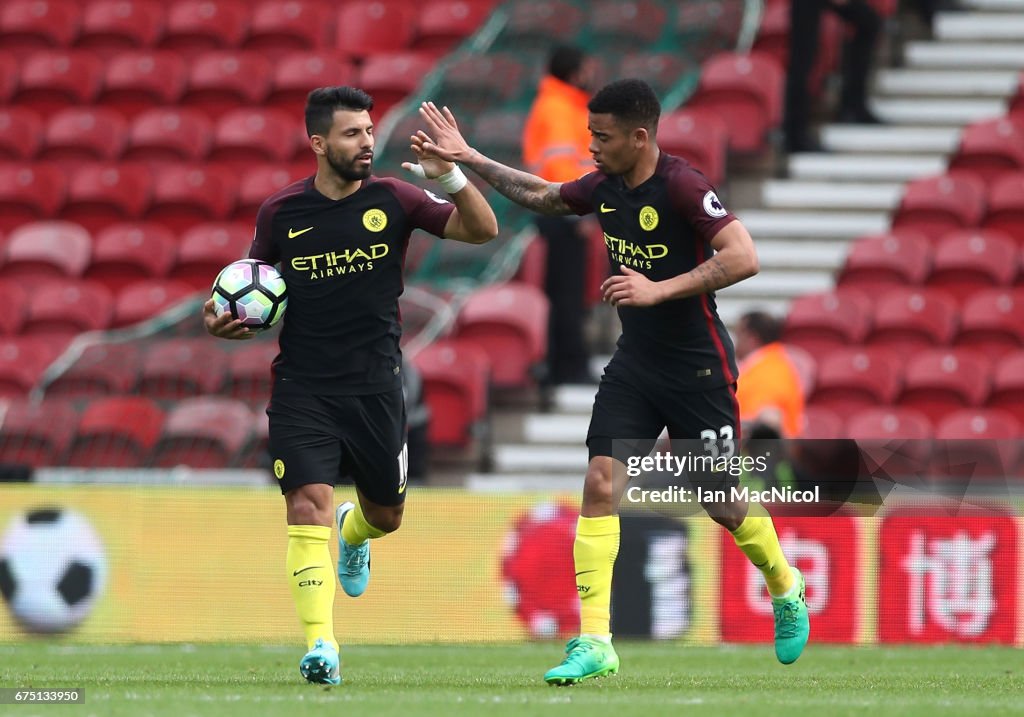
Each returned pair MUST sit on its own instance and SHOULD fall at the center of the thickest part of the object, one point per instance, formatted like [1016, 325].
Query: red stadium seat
[135, 81]
[498, 134]
[15, 305]
[468, 83]
[907, 320]
[116, 432]
[46, 250]
[976, 443]
[745, 90]
[391, 77]
[699, 137]
[221, 81]
[820, 422]
[21, 133]
[256, 452]
[540, 24]
[853, 379]
[168, 135]
[80, 134]
[145, 300]
[30, 25]
[938, 205]
[36, 434]
[123, 254]
[509, 321]
[101, 370]
[66, 308]
[881, 262]
[23, 360]
[297, 73]
[533, 264]
[627, 25]
[1006, 206]
[205, 432]
[455, 376]
[939, 381]
[205, 249]
[8, 77]
[257, 184]
[112, 26]
[889, 423]
[185, 195]
[101, 194]
[197, 26]
[990, 149]
[176, 368]
[365, 29]
[54, 79]
[250, 135]
[773, 39]
[992, 322]
[29, 192]
[442, 24]
[819, 323]
[249, 374]
[661, 70]
[968, 261]
[1008, 385]
[278, 27]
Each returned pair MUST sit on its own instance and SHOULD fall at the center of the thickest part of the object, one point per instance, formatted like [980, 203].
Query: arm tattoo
[713, 275]
[523, 188]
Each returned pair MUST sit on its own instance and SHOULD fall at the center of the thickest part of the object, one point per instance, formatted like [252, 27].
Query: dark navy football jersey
[663, 228]
[343, 263]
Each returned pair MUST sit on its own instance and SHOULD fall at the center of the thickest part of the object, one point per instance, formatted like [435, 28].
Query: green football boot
[792, 626]
[584, 658]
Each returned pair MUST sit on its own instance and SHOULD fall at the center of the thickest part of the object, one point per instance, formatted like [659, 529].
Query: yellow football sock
[757, 539]
[311, 578]
[355, 530]
[594, 552]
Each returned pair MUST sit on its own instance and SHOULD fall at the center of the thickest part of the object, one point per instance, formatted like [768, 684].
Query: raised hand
[448, 143]
[430, 165]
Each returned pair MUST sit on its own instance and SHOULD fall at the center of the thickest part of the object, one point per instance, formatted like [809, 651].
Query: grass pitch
[656, 679]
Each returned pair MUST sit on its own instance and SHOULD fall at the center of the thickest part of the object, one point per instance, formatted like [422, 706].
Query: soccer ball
[252, 291]
[52, 569]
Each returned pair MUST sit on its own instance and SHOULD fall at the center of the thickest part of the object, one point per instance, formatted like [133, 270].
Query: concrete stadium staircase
[803, 225]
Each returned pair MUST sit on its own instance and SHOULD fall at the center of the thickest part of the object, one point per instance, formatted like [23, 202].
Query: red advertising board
[827, 551]
[947, 579]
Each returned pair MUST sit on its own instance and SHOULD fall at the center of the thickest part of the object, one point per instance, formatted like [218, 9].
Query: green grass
[656, 679]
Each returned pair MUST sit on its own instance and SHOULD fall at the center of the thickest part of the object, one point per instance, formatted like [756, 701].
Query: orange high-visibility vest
[768, 379]
[556, 138]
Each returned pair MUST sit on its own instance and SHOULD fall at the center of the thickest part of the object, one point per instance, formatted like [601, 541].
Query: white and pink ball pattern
[253, 291]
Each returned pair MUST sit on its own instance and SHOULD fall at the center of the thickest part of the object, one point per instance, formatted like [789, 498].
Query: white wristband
[453, 181]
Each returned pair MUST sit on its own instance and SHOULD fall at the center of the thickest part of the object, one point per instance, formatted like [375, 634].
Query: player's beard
[347, 169]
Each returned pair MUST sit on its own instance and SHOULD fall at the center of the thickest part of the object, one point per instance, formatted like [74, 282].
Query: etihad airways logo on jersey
[337, 263]
[637, 256]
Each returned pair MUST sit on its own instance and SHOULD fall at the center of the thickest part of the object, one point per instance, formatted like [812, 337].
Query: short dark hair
[631, 102]
[564, 62]
[323, 102]
[765, 327]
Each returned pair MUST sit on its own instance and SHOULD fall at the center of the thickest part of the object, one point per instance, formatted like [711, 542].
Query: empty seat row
[907, 319]
[959, 264]
[133, 431]
[935, 382]
[177, 195]
[121, 254]
[213, 82]
[934, 206]
[270, 27]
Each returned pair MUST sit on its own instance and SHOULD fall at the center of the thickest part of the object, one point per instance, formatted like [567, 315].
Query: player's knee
[598, 486]
[386, 518]
[303, 511]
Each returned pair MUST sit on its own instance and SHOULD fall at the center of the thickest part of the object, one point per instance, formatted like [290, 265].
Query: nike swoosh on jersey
[292, 233]
[605, 210]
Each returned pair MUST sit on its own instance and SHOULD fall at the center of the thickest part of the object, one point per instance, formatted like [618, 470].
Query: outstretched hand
[428, 165]
[631, 288]
[448, 143]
